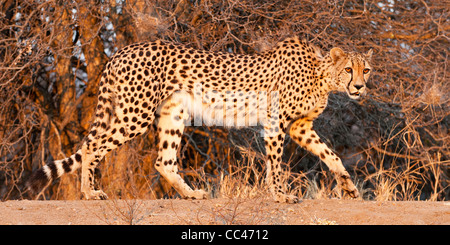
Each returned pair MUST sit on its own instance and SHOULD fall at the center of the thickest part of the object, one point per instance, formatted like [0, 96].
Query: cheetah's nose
[358, 87]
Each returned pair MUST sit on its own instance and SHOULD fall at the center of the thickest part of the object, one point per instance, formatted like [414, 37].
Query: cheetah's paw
[283, 198]
[95, 195]
[198, 194]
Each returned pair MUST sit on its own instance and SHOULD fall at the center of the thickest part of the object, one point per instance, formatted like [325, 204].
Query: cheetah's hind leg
[170, 126]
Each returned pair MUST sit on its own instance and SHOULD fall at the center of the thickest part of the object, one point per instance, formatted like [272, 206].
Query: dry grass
[122, 212]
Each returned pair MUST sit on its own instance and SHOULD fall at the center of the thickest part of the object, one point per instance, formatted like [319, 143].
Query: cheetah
[169, 85]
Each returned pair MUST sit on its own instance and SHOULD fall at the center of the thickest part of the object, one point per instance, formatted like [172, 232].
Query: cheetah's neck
[326, 75]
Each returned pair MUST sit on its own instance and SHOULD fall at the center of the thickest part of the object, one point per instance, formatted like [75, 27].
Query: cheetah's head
[352, 71]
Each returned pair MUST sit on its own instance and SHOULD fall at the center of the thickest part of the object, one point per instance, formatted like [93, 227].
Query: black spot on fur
[78, 157]
[67, 165]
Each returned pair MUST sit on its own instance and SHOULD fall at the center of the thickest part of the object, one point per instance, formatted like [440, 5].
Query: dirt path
[223, 211]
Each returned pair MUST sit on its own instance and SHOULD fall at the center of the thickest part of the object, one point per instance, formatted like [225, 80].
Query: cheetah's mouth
[354, 95]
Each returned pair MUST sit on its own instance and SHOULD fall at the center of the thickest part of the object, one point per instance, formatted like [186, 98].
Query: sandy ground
[223, 211]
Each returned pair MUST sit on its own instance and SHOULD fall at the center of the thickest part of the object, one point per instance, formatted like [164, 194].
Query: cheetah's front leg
[302, 132]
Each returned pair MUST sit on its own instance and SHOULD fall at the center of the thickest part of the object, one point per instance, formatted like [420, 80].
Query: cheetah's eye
[348, 69]
[366, 70]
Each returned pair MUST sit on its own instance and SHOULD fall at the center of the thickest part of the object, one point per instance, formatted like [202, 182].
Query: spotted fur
[171, 86]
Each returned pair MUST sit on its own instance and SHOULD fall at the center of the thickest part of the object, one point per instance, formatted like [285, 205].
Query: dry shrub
[395, 141]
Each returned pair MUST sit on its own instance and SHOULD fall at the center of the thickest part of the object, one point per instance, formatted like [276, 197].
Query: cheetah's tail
[42, 177]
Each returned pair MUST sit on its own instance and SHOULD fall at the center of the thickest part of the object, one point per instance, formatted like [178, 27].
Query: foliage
[395, 142]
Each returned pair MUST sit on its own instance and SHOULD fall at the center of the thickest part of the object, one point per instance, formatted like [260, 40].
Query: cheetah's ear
[369, 55]
[337, 54]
